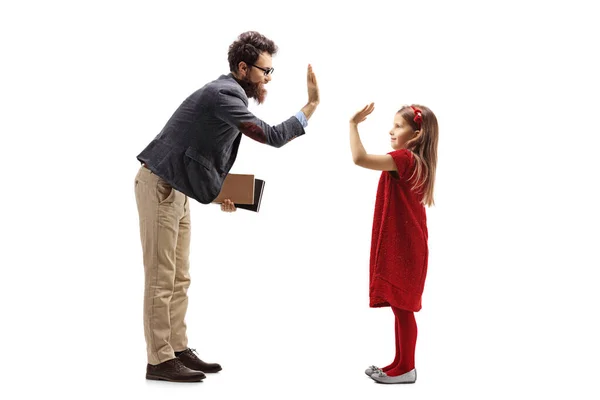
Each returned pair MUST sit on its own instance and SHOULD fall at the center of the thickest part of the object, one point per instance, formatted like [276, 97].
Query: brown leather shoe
[189, 358]
[174, 371]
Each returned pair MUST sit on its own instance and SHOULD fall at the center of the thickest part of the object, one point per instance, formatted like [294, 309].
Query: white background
[280, 298]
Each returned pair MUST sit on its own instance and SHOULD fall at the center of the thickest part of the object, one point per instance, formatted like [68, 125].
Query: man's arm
[231, 109]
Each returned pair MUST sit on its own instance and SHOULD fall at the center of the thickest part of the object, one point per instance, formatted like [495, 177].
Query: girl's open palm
[362, 114]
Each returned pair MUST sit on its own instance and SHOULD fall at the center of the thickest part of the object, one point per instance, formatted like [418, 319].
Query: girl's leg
[397, 336]
[408, 341]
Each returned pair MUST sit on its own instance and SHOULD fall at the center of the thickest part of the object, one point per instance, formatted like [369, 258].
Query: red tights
[406, 341]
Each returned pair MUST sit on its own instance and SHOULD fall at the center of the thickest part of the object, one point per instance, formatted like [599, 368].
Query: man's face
[254, 79]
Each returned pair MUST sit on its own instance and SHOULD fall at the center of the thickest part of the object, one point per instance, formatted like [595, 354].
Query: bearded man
[189, 159]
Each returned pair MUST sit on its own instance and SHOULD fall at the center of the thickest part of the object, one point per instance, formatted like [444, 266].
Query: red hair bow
[418, 116]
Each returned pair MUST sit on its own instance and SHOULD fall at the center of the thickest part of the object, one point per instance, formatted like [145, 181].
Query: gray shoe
[372, 369]
[409, 377]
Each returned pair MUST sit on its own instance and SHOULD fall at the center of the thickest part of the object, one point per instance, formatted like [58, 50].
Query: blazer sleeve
[232, 109]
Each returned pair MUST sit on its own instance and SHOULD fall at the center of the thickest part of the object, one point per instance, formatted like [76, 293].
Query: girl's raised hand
[362, 114]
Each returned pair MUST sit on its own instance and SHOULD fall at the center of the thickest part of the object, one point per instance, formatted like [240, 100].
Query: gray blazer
[198, 145]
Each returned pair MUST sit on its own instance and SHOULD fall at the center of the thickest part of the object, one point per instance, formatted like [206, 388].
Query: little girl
[399, 252]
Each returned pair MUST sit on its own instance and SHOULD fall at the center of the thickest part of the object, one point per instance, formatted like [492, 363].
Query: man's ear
[242, 69]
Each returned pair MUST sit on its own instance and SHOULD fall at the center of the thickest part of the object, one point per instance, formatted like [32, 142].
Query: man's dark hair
[247, 48]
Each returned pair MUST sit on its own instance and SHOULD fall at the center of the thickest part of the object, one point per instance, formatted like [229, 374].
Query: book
[239, 188]
[259, 186]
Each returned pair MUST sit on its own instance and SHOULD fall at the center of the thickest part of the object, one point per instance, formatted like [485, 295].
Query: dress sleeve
[404, 161]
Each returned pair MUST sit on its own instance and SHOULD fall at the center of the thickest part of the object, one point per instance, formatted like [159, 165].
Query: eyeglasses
[266, 71]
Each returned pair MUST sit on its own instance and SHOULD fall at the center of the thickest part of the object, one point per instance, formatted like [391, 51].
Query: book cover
[239, 188]
[259, 186]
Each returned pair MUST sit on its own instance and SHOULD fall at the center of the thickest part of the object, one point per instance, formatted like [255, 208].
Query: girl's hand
[228, 206]
[362, 114]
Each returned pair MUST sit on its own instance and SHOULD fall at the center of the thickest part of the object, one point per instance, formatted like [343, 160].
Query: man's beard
[253, 90]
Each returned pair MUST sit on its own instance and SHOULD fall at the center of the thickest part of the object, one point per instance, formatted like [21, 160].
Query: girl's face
[401, 133]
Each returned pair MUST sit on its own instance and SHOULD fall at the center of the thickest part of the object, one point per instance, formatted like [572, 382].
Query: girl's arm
[359, 154]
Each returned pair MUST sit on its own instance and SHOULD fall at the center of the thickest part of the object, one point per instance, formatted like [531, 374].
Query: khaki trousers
[164, 216]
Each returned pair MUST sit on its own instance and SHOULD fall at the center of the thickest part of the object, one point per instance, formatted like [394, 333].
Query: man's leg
[179, 301]
[160, 208]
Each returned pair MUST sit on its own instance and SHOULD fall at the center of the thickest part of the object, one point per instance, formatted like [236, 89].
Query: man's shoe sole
[162, 378]
[210, 372]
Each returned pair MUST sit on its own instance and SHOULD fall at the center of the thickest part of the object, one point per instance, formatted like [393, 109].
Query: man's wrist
[309, 109]
[300, 116]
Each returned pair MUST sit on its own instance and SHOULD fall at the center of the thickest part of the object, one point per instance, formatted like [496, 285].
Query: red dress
[399, 251]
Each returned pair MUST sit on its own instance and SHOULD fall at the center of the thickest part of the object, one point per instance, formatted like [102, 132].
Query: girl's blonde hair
[423, 148]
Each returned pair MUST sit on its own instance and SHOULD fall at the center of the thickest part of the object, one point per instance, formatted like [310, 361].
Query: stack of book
[243, 190]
